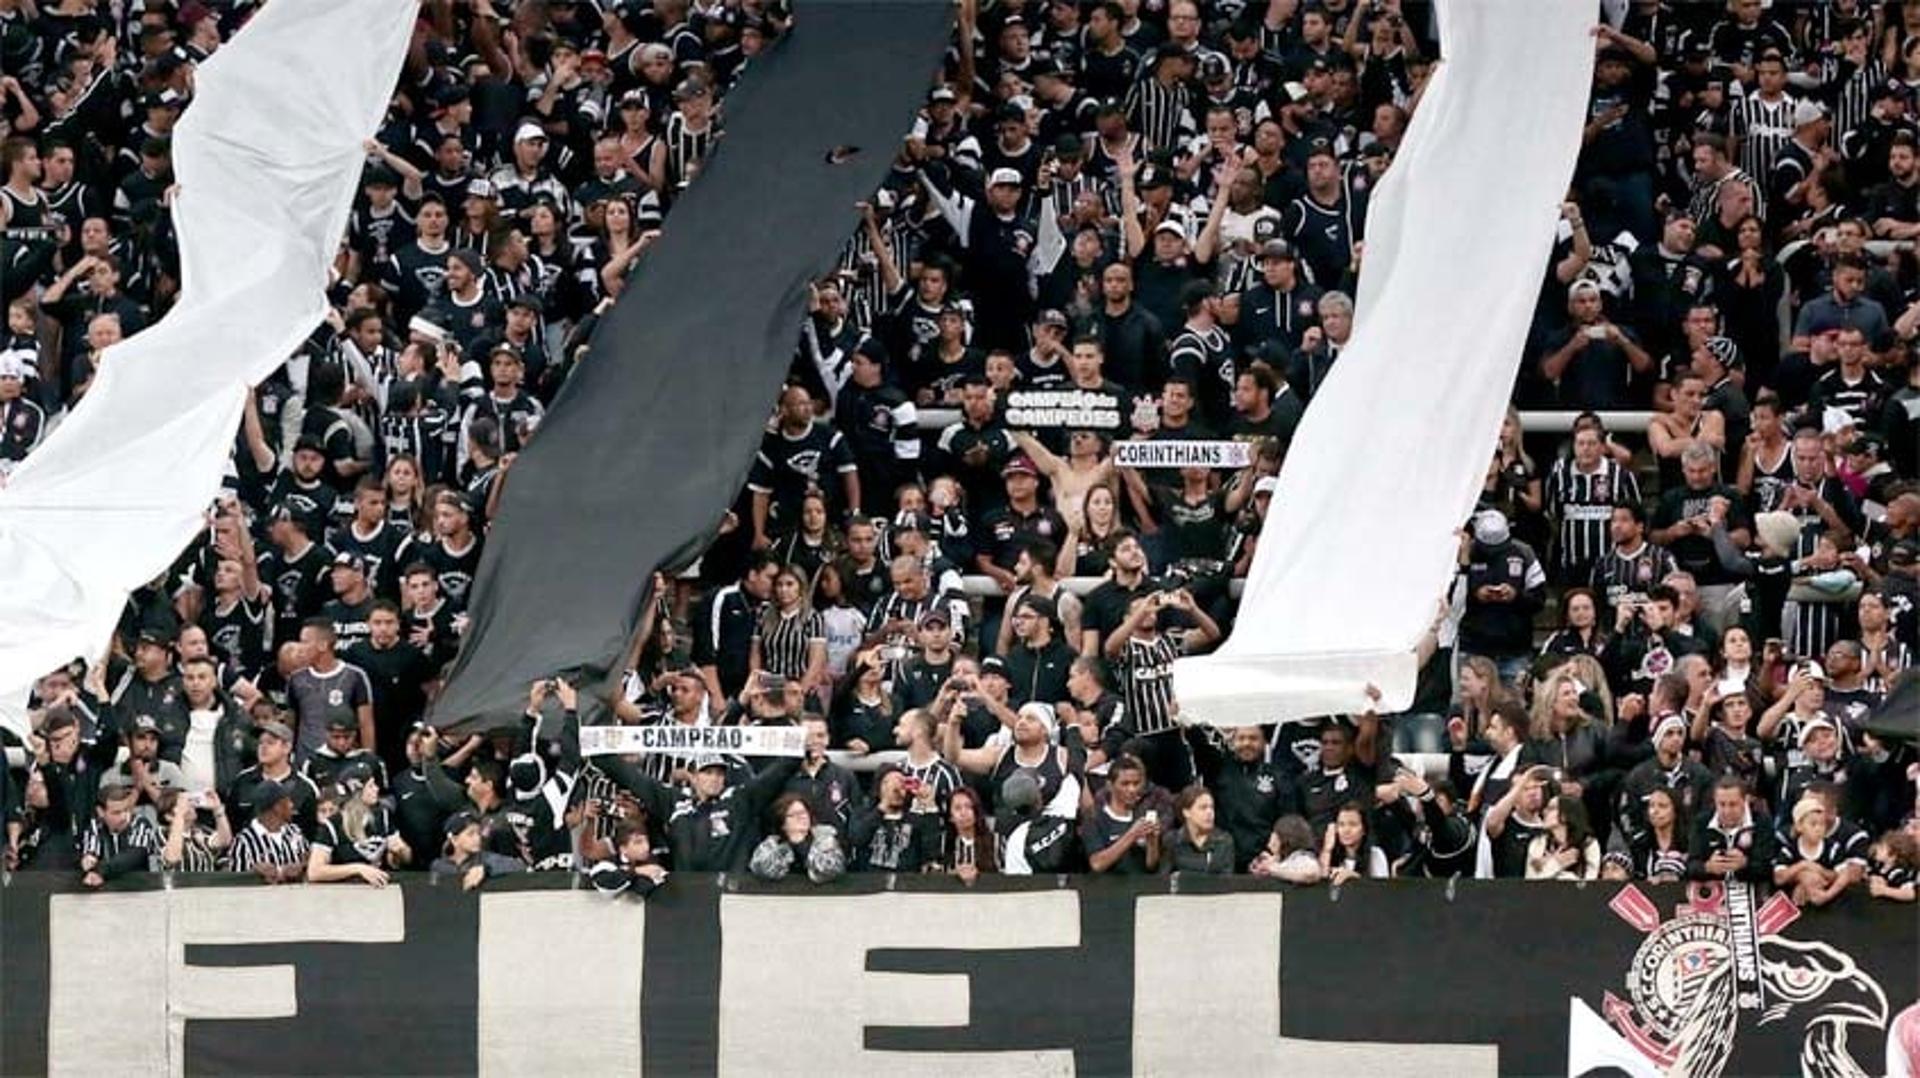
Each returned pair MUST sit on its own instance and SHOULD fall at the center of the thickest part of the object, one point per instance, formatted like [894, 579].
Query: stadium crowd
[1112, 221]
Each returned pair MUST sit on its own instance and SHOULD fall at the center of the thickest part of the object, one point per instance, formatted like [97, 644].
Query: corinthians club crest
[1718, 965]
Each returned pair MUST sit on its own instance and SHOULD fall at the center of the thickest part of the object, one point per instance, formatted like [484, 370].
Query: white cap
[1818, 722]
[1490, 527]
[529, 131]
[420, 327]
[1173, 226]
[1266, 484]
[1003, 176]
[12, 366]
[1835, 420]
[1044, 715]
[1811, 669]
[1807, 112]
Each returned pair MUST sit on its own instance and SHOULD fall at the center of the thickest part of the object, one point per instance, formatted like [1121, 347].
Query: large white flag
[267, 159]
[1360, 542]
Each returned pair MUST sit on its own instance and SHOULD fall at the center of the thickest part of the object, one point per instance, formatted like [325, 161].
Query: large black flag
[654, 431]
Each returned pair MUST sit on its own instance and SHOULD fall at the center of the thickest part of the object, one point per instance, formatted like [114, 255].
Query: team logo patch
[336, 698]
[1721, 963]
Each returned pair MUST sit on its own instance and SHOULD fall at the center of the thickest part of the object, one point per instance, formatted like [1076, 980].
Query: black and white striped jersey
[1764, 128]
[255, 846]
[1145, 676]
[1162, 114]
[1582, 503]
[1625, 576]
[787, 638]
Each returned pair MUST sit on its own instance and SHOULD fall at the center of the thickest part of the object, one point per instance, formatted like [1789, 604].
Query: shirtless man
[1086, 466]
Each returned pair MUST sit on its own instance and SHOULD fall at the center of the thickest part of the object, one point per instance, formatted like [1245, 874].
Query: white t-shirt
[197, 758]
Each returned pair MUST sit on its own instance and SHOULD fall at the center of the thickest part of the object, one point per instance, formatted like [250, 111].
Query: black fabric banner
[654, 431]
[1106, 976]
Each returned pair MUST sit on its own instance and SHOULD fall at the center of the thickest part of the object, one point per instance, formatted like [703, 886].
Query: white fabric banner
[1183, 454]
[267, 159]
[1387, 463]
[675, 738]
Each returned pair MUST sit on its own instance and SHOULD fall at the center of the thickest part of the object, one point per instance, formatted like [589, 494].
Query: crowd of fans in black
[1111, 220]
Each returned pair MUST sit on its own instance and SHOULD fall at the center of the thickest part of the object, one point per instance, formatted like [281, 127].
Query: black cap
[145, 724]
[275, 728]
[268, 794]
[468, 259]
[1904, 552]
[380, 176]
[531, 301]
[1053, 318]
[157, 635]
[347, 559]
[993, 664]
[342, 721]
[872, 349]
[1153, 176]
[1041, 606]
[460, 821]
[1277, 249]
[309, 441]
[1214, 67]
[935, 615]
[1069, 145]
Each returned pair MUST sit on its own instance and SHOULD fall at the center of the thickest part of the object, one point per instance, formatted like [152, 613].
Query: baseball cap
[993, 664]
[689, 89]
[942, 94]
[1020, 464]
[1051, 318]
[309, 441]
[1214, 67]
[268, 794]
[531, 301]
[530, 132]
[1003, 177]
[1153, 176]
[1266, 484]
[1277, 249]
[1293, 93]
[1818, 722]
[1807, 112]
[506, 348]
[635, 98]
[701, 763]
[347, 559]
[479, 187]
[157, 635]
[275, 728]
[1904, 552]
[1069, 146]
[145, 724]
[379, 176]
[1172, 226]
[460, 821]
[935, 615]
[13, 366]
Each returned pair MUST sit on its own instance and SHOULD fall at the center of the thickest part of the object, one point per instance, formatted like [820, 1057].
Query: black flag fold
[654, 431]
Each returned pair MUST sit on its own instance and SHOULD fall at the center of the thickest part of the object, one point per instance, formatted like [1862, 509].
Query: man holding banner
[713, 822]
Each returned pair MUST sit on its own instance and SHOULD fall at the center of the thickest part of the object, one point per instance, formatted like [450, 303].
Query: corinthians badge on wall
[1718, 965]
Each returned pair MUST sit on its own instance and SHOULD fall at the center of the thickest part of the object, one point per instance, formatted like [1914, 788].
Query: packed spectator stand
[1693, 577]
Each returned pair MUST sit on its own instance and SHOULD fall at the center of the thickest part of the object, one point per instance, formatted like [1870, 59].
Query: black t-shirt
[349, 620]
[787, 466]
[1194, 529]
[1101, 829]
[398, 676]
[1694, 553]
[1105, 607]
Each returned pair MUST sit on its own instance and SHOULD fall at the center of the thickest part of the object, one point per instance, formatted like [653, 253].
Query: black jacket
[1038, 675]
[1754, 837]
[715, 835]
[1247, 798]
